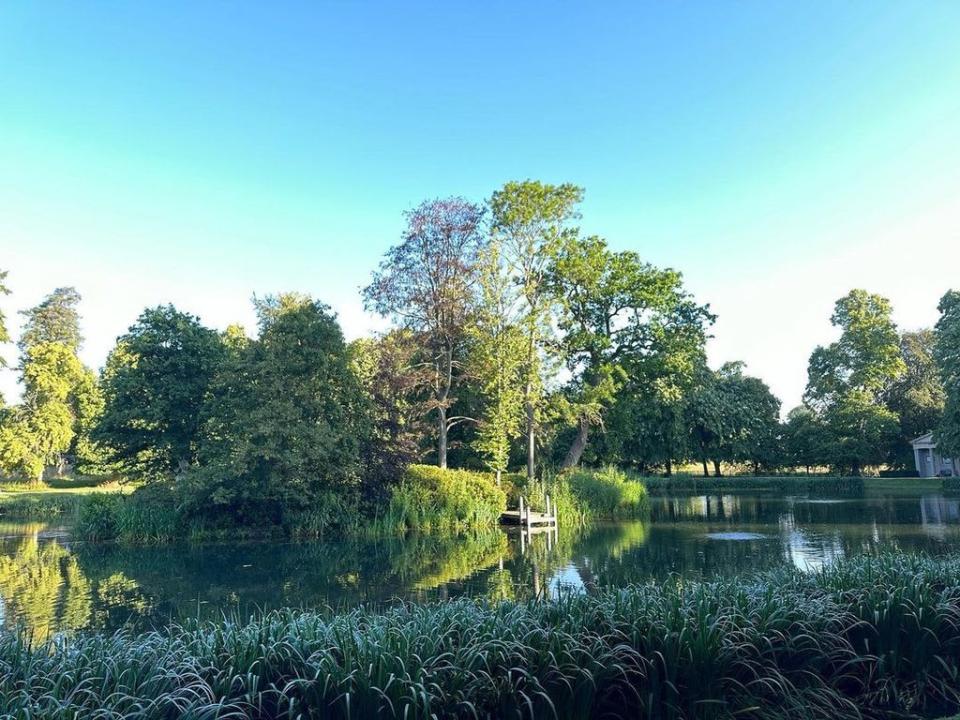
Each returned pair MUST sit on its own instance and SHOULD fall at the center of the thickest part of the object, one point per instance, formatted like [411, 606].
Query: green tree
[40, 430]
[805, 439]
[850, 375]
[530, 222]
[917, 396]
[496, 362]
[616, 311]
[55, 320]
[155, 384]
[4, 333]
[287, 421]
[426, 284]
[947, 355]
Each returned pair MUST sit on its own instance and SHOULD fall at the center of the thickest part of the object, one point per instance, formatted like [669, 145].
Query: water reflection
[49, 584]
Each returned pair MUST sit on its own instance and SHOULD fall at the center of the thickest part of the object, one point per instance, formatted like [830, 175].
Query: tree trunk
[855, 468]
[669, 468]
[531, 438]
[579, 444]
[442, 436]
[716, 469]
[706, 472]
[498, 477]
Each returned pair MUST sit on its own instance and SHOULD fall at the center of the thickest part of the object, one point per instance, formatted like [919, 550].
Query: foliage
[426, 283]
[530, 221]
[608, 494]
[54, 320]
[286, 421]
[431, 499]
[618, 314]
[155, 384]
[99, 516]
[848, 377]
[496, 362]
[4, 332]
[947, 354]
[804, 439]
[885, 637]
[785, 484]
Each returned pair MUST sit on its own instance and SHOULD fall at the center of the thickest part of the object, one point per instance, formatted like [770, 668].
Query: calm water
[52, 584]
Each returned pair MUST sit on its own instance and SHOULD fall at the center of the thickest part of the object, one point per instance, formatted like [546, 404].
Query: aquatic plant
[430, 499]
[872, 636]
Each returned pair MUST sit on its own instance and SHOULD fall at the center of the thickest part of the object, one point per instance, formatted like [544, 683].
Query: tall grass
[801, 484]
[871, 637]
[580, 496]
[431, 499]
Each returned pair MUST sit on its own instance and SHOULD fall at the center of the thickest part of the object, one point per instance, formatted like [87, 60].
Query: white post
[520, 519]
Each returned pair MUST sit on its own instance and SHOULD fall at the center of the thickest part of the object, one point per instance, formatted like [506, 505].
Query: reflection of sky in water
[54, 585]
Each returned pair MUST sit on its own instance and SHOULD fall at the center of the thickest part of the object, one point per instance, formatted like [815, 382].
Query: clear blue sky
[777, 153]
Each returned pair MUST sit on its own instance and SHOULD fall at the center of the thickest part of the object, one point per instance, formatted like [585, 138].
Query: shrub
[429, 499]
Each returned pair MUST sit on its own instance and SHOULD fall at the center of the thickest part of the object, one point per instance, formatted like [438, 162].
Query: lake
[52, 584]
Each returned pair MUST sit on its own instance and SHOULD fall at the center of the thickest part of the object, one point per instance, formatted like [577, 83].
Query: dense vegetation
[877, 637]
[518, 343]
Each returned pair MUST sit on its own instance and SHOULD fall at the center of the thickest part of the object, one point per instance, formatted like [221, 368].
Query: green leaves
[947, 354]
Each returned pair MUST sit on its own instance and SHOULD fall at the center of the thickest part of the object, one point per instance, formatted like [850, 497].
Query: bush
[432, 499]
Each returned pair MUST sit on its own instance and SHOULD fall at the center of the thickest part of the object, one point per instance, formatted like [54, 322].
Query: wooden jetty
[530, 519]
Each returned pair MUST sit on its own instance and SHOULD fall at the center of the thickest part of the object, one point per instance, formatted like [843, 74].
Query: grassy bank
[876, 637]
[58, 498]
[792, 484]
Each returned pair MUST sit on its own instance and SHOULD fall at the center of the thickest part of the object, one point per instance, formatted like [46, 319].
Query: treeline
[517, 342]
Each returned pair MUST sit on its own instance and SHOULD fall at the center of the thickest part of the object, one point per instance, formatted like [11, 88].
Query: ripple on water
[735, 536]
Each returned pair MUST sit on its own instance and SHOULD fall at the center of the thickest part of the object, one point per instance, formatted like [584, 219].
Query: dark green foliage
[286, 423]
[917, 397]
[99, 516]
[155, 385]
[792, 484]
[947, 354]
[875, 637]
[430, 499]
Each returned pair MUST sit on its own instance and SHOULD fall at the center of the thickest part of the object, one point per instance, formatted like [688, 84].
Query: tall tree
[917, 396]
[804, 439]
[616, 311]
[496, 362]
[155, 384]
[287, 420]
[55, 320]
[426, 284]
[846, 379]
[40, 430]
[947, 355]
[530, 222]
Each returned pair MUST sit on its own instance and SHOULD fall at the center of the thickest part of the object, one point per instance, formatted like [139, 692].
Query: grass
[58, 497]
[432, 499]
[869, 637]
[789, 484]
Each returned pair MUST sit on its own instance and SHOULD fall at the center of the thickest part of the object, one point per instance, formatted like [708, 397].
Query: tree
[616, 310]
[155, 384]
[397, 386]
[805, 438]
[496, 362]
[426, 284]
[947, 355]
[530, 222]
[917, 396]
[4, 333]
[287, 419]
[41, 429]
[850, 375]
[55, 320]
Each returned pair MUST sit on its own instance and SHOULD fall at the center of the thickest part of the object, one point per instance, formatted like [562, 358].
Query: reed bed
[871, 637]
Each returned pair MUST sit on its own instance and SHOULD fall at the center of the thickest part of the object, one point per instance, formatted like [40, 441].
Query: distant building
[929, 462]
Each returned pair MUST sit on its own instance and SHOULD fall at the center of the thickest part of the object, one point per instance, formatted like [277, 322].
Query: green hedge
[787, 484]
[430, 499]
[870, 637]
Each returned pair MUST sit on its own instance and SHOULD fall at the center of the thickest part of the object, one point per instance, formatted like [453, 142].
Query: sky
[778, 154]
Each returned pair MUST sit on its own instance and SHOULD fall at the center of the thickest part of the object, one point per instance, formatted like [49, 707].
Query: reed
[869, 637]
